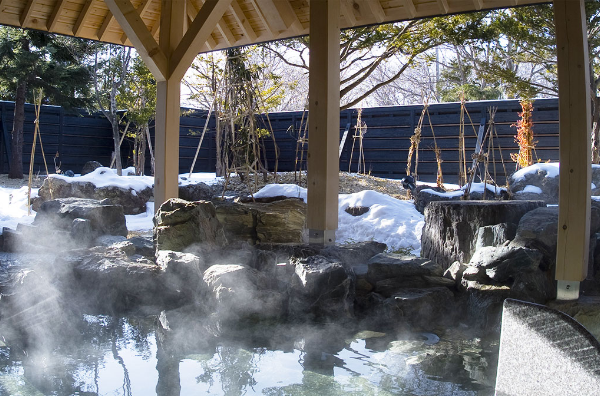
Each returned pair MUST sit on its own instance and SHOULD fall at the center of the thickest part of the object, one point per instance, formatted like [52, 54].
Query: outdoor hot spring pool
[151, 355]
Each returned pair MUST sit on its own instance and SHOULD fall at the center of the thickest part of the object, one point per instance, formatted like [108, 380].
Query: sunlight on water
[128, 356]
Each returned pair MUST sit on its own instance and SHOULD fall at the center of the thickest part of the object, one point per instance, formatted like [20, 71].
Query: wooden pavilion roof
[244, 22]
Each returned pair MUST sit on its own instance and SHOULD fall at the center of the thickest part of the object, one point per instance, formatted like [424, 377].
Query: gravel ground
[5, 182]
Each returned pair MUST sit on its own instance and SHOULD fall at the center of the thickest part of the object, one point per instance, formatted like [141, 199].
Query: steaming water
[103, 355]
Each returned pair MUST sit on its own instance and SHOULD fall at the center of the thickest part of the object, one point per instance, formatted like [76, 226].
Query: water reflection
[179, 355]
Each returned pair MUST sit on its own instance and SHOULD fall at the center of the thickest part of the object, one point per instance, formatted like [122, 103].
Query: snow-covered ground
[391, 221]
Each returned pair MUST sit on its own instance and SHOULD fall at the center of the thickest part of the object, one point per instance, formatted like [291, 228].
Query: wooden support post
[324, 123]
[166, 168]
[166, 141]
[575, 161]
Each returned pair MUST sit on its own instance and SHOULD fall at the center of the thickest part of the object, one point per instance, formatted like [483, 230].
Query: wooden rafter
[478, 4]
[262, 18]
[108, 20]
[137, 32]
[221, 25]
[56, 11]
[83, 15]
[242, 21]
[410, 8]
[26, 15]
[141, 10]
[444, 7]
[197, 34]
[348, 12]
[377, 11]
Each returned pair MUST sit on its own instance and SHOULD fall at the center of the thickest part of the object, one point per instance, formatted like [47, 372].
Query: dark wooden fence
[81, 137]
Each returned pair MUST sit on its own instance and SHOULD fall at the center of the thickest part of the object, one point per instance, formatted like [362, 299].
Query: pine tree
[32, 60]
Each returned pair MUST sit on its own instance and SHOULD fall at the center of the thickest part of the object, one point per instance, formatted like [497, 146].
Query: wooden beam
[324, 124]
[478, 4]
[288, 15]
[137, 32]
[141, 10]
[83, 15]
[221, 25]
[574, 138]
[242, 21]
[199, 31]
[56, 11]
[377, 11]
[411, 10]
[444, 8]
[269, 32]
[108, 19]
[26, 15]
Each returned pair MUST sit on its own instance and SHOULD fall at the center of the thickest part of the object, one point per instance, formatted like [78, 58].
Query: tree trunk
[16, 160]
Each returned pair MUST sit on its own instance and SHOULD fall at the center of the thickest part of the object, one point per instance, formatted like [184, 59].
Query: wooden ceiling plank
[137, 32]
[444, 7]
[270, 33]
[108, 20]
[348, 12]
[26, 15]
[242, 21]
[221, 25]
[56, 11]
[410, 8]
[198, 33]
[377, 10]
[280, 16]
[85, 13]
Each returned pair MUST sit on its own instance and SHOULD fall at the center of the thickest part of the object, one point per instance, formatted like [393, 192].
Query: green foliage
[56, 64]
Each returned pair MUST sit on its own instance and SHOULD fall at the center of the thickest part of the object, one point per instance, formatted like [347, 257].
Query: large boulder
[196, 192]
[181, 225]
[540, 182]
[237, 292]
[181, 273]
[89, 167]
[109, 280]
[281, 221]
[451, 228]
[133, 201]
[103, 217]
[322, 289]
[516, 268]
[434, 194]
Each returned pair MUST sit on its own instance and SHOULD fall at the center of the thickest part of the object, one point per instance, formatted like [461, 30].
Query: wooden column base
[321, 237]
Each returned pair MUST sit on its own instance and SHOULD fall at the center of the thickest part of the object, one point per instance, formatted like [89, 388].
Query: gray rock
[143, 245]
[116, 242]
[495, 235]
[450, 230]
[391, 265]
[133, 202]
[392, 286]
[545, 352]
[455, 271]
[90, 166]
[181, 224]
[354, 254]
[322, 289]
[196, 192]
[110, 280]
[425, 309]
[238, 291]
[503, 263]
[548, 187]
[280, 221]
[82, 230]
[104, 218]
[181, 273]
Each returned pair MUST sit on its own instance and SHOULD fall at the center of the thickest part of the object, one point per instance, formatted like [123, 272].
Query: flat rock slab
[451, 228]
[545, 352]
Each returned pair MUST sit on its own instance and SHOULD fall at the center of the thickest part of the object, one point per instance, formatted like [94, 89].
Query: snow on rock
[13, 207]
[551, 170]
[530, 189]
[286, 190]
[103, 177]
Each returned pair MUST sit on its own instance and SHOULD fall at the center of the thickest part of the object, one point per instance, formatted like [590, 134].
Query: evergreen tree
[32, 60]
